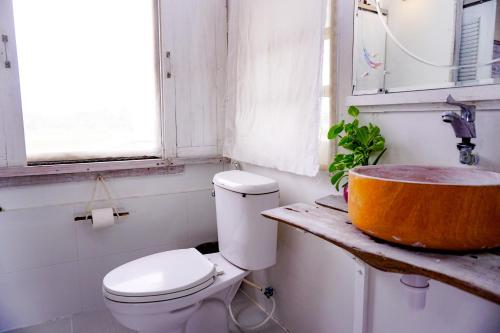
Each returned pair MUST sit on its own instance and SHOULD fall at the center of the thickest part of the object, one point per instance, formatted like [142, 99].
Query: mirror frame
[486, 97]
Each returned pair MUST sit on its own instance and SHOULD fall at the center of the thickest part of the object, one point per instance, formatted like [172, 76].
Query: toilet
[183, 291]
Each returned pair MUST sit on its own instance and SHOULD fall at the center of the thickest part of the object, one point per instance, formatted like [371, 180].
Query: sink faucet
[464, 128]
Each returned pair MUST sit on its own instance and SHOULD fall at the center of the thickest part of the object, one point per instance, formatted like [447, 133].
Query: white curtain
[274, 83]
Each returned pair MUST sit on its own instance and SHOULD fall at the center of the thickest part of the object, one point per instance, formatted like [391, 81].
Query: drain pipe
[416, 287]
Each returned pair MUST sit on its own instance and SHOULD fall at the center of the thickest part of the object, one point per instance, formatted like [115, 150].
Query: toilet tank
[246, 238]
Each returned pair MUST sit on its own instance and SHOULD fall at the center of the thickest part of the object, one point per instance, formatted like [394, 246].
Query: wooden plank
[65, 173]
[62, 168]
[76, 168]
[87, 176]
[336, 202]
[476, 273]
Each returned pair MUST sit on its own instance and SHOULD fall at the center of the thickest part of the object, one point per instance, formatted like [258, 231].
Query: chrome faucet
[464, 128]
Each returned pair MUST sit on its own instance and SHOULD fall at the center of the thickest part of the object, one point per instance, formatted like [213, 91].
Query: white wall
[51, 266]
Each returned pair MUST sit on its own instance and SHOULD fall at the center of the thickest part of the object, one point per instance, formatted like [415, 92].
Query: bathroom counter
[476, 273]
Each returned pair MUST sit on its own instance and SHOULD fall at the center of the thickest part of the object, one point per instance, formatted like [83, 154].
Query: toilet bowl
[153, 302]
[183, 291]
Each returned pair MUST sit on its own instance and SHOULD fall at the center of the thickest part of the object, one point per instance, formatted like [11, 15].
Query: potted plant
[359, 142]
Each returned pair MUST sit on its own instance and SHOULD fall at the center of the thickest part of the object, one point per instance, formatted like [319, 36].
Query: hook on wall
[5, 40]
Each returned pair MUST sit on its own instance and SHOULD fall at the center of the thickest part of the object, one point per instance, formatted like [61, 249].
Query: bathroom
[147, 110]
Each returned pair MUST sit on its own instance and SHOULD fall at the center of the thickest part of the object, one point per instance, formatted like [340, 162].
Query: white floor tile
[97, 322]
[56, 326]
[102, 321]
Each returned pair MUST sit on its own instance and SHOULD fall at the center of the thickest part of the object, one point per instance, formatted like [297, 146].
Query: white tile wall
[195, 178]
[52, 267]
[38, 237]
[35, 296]
[153, 221]
[313, 283]
[201, 217]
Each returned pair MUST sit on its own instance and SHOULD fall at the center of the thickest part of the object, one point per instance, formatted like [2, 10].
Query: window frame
[13, 160]
[331, 90]
[486, 97]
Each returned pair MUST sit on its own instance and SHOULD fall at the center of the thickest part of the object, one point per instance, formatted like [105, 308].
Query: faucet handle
[468, 110]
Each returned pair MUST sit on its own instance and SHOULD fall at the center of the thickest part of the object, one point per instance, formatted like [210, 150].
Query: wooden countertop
[476, 273]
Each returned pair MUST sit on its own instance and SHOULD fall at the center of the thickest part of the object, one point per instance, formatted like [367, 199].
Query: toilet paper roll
[102, 218]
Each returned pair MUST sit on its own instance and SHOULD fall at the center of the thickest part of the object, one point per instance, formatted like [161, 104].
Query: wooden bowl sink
[455, 209]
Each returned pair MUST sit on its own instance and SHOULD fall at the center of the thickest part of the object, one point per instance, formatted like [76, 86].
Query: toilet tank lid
[245, 182]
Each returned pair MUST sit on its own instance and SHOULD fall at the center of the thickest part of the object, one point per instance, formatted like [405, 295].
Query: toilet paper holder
[88, 211]
[84, 218]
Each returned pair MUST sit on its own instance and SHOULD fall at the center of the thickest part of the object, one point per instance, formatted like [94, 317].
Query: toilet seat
[160, 277]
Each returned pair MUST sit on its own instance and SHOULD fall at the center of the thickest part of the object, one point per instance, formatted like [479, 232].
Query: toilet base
[206, 316]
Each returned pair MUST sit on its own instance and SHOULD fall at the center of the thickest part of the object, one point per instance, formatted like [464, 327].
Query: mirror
[405, 45]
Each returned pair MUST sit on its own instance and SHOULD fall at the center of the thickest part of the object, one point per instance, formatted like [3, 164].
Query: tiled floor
[103, 322]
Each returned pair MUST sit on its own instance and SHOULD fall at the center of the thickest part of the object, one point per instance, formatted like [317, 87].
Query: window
[89, 78]
[328, 100]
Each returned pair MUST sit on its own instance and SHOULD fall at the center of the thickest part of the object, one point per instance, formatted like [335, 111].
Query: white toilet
[185, 291]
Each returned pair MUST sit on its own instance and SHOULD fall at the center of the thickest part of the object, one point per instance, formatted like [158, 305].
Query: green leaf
[353, 111]
[363, 135]
[345, 140]
[339, 157]
[378, 145]
[374, 131]
[379, 156]
[336, 130]
[336, 177]
[349, 146]
[351, 128]
[337, 185]
[360, 142]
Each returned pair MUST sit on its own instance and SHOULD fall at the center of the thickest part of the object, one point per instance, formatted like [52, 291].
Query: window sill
[63, 173]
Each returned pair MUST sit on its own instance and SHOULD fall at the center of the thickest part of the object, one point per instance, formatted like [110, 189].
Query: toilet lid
[169, 274]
